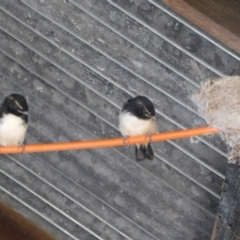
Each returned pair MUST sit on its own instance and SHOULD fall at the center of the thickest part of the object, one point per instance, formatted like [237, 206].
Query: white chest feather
[12, 130]
[130, 125]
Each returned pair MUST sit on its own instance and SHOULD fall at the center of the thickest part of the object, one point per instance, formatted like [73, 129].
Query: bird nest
[219, 102]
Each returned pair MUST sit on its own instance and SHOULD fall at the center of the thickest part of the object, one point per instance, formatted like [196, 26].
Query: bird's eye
[145, 113]
[17, 108]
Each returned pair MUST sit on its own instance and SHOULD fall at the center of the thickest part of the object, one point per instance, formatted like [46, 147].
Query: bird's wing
[1, 105]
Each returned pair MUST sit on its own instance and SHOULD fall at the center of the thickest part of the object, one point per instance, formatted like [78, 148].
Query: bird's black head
[140, 107]
[15, 104]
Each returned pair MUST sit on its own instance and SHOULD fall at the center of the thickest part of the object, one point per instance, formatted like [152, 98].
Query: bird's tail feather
[144, 151]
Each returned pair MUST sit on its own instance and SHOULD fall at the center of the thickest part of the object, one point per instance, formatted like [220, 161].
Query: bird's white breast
[129, 125]
[12, 130]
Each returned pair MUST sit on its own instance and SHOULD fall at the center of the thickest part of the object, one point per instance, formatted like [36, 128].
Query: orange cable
[111, 142]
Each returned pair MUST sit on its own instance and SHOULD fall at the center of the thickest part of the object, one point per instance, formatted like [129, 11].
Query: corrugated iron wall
[77, 62]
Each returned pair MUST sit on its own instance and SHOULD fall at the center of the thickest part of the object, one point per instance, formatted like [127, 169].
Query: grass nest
[219, 103]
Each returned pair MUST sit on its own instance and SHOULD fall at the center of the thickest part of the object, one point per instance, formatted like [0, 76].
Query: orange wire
[111, 142]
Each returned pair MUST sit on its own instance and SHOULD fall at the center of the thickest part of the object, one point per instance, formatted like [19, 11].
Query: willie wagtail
[138, 118]
[13, 120]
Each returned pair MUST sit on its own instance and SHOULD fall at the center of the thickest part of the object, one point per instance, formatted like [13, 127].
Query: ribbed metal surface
[77, 62]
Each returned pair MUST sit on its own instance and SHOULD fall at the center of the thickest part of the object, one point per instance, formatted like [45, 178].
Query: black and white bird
[138, 118]
[13, 120]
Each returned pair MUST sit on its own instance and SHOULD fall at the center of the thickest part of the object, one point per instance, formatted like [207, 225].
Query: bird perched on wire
[138, 118]
[13, 120]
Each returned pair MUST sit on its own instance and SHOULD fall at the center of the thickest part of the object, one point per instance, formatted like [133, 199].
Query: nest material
[219, 102]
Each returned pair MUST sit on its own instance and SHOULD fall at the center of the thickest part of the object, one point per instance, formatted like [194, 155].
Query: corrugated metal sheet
[77, 61]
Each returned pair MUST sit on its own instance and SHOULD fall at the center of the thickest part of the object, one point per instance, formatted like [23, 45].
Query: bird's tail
[144, 151]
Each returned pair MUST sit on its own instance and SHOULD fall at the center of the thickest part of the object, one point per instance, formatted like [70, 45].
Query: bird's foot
[125, 140]
[22, 147]
[149, 137]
